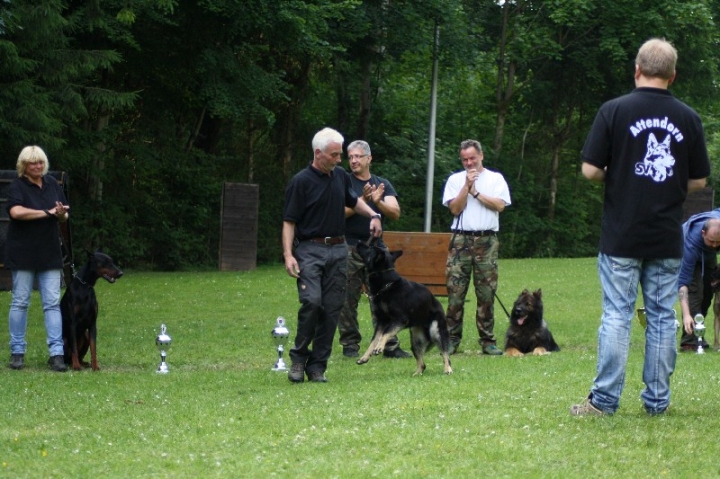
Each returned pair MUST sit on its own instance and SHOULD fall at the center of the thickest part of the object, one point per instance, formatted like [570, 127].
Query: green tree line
[151, 105]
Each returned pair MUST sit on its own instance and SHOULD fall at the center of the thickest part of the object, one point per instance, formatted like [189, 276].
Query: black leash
[501, 304]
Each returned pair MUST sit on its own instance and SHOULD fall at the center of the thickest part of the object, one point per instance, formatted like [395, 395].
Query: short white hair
[326, 136]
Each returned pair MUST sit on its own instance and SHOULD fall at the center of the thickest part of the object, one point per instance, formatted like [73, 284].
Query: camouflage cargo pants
[476, 256]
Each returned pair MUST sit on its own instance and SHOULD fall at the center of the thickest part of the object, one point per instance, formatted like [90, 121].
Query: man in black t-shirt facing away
[649, 149]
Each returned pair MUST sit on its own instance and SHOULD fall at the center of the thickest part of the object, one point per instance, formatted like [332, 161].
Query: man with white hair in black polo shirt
[315, 251]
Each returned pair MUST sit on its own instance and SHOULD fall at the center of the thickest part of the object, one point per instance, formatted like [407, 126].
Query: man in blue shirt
[701, 241]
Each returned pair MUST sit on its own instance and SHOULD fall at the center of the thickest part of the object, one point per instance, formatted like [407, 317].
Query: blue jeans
[619, 278]
[49, 287]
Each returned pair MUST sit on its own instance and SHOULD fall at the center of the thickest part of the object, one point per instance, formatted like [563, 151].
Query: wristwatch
[376, 215]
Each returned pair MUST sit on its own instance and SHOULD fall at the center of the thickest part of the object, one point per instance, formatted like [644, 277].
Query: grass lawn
[222, 412]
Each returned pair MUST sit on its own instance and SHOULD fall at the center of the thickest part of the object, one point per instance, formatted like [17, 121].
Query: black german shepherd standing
[79, 309]
[397, 303]
[528, 331]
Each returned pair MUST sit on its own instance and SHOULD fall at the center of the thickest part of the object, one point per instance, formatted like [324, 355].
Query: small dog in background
[528, 331]
[398, 303]
[79, 309]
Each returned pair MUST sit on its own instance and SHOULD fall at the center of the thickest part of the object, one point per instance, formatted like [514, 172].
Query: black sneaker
[57, 363]
[397, 353]
[317, 377]
[350, 352]
[17, 361]
[297, 373]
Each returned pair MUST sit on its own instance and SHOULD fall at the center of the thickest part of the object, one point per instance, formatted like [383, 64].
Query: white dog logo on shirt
[658, 161]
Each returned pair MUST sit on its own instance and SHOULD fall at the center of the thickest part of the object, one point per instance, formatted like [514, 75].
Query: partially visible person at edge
[475, 196]
[315, 251]
[380, 195]
[649, 149]
[701, 234]
[36, 205]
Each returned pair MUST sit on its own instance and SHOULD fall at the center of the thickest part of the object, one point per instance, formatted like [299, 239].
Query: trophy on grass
[642, 318]
[280, 334]
[699, 330]
[162, 341]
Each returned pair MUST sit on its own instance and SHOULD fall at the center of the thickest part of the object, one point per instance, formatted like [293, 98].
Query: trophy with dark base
[162, 341]
[280, 334]
[642, 318]
[699, 331]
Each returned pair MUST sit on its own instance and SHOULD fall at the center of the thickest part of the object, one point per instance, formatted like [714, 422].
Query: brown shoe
[17, 361]
[317, 377]
[57, 363]
[397, 353]
[585, 408]
[297, 373]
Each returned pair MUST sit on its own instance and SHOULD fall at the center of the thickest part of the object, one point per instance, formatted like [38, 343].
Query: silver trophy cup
[162, 341]
[642, 317]
[699, 330]
[280, 334]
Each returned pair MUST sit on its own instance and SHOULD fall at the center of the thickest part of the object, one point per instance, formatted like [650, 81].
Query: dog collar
[382, 290]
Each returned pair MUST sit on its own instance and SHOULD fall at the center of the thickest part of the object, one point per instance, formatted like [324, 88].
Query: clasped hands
[59, 210]
[372, 193]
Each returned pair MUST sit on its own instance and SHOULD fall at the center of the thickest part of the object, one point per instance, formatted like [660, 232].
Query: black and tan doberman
[79, 308]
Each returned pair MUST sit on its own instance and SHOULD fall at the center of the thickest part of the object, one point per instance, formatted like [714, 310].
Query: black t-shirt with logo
[651, 144]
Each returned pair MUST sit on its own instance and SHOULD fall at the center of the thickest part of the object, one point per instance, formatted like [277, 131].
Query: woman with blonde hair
[36, 205]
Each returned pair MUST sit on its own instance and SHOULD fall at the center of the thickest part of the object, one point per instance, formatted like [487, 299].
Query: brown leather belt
[476, 233]
[328, 240]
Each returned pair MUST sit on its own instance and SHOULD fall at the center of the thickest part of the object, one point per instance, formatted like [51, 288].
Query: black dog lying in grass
[528, 331]
[79, 309]
[397, 303]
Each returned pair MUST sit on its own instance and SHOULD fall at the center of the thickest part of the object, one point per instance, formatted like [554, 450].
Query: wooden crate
[239, 226]
[698, 202]
[423, 259]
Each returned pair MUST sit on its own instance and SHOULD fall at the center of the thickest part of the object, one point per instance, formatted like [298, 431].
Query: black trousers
[321, 290]
[700, 297]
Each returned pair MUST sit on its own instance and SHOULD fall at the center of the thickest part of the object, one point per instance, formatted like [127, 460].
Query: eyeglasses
[356, 157]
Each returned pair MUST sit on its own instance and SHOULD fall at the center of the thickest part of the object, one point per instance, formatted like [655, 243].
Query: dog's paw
[540, 351]
[513, 352]
[362, 360]
[448, 371]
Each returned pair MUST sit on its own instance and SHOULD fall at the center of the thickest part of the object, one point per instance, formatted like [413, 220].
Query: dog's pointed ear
[538, 293]
[396, 254]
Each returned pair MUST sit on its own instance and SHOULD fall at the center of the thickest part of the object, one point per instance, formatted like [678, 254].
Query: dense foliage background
[150, 105]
